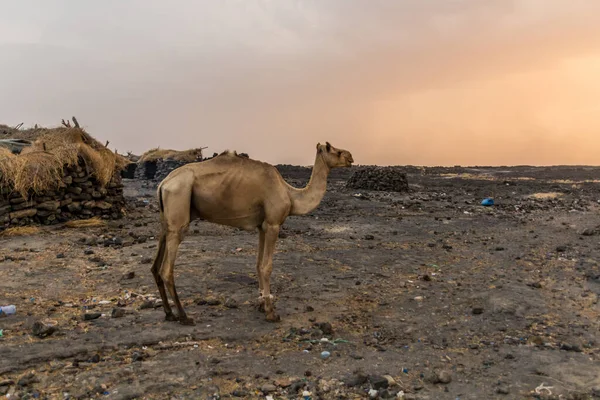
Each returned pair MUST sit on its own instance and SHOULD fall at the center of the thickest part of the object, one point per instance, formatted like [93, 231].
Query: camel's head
[335, 158]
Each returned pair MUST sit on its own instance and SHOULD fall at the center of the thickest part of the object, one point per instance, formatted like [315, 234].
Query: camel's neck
[307, 199]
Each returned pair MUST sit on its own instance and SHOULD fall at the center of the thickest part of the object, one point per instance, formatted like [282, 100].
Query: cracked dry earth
[426, 293]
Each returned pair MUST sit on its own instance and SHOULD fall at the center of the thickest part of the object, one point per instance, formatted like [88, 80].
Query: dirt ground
[426, 293]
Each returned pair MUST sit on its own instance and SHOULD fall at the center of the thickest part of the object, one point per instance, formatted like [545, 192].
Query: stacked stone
[164, 168]
[389, 179]
[79, 196]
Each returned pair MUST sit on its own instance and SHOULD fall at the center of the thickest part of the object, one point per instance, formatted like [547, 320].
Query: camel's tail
[160, 199]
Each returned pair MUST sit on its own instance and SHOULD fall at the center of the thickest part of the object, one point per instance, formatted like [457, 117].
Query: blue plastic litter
[487, 202]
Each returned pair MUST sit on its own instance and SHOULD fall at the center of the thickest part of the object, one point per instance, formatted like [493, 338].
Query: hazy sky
[428, 82]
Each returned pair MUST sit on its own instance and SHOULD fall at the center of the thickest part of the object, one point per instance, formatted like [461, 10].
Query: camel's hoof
[171, 317]
[187, 321]
[261, 307]
[273, 317]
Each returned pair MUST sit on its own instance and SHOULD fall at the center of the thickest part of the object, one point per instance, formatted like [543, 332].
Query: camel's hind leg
[158, 261]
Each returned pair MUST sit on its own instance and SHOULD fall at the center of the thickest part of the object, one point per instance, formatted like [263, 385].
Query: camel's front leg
[271, 234]
[259, 260]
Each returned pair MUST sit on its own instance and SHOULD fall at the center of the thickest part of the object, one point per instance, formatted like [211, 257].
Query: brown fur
[239, 192]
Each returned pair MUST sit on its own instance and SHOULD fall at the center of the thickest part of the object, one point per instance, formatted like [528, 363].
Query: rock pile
[79, 196]
[389, 179]
[164, 168]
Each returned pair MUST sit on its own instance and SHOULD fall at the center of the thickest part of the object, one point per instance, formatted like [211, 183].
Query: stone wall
[389, 179]
[78, 197]
[164, 168]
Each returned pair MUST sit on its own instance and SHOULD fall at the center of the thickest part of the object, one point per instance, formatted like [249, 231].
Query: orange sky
[495, 82]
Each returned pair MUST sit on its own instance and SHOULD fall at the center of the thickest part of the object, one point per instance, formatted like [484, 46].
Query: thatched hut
[65, 173]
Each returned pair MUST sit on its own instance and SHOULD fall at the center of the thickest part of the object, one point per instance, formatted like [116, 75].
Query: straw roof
[40, 166]
[190, 155]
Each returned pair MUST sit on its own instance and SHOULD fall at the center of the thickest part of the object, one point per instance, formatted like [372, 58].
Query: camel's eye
[339, 153]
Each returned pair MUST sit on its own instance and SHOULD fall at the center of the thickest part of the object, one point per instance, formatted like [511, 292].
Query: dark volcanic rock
[390, 179]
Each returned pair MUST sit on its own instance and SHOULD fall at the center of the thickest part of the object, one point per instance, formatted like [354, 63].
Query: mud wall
[79, 196]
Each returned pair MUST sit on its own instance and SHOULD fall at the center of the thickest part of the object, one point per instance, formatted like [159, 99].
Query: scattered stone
[146, 260]
[296, 386]
[147, 304]
[268, 388]
[378, 382]
[129, 275]
[95, 359]
[536, 285]
[373, 394]
[355, 380]
[369, 237]
[325, 327]
[570, 347]
[60, 255]
[28, 379]
[137, 357]
[499, 248]
[477, 310]
[502, 390]
[561, 249]
[240, 393]
[309, 309]
[117, 313]
[42, 330]
[91, 316]
[213, 302]
[442, 376]
[231, 303]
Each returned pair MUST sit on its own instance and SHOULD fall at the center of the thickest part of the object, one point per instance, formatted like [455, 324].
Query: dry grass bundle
[86, 223]
[190, 155]
[37, 171]
[70, 144]
[7, 165]
[20, 231]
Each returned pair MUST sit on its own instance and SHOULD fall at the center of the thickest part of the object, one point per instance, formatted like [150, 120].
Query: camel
[239, 192]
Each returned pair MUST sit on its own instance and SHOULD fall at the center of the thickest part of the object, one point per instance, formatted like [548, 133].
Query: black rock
[296, 386]
[91, 316]
[502, 390]
[326, 328]
[378, 382]
[231, 303]
[477, 310]
[137, 356]
[129, 275]
[60, 255]
[146, 260]
[41, 330]
[561, 249]
[570, 347]
[355, 380]
[147, 304]
[117, 313]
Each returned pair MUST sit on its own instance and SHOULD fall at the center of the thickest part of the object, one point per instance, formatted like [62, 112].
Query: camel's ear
[328, 146]
[319, 146]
